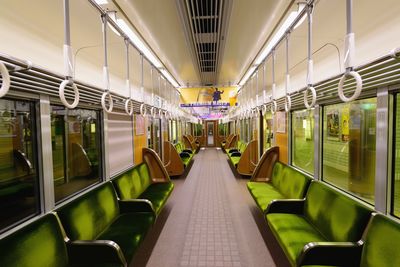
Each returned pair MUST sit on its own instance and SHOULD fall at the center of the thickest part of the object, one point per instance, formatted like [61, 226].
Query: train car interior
[166, 133]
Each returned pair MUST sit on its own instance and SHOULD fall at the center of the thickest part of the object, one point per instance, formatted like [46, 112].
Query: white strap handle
[5, 82]
[143, 110]
[314, 97]
[274, 107]
[256, 112]
[357, 92]
[153, 112]
[160, 113]
[129, 106]
[288, 103]
[167, 115]
[61, 93]
[110, 102]
[264, 110]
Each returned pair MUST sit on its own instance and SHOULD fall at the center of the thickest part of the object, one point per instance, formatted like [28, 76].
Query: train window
[75, 137]
[174, 132]
[303, 140]
[19, 193]
[268, 134]
[198, 129]
[396, 160]
[349, 134]
[222, 129]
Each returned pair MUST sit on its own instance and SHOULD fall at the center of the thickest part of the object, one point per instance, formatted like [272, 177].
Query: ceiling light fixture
[275, 39]
[101, 2]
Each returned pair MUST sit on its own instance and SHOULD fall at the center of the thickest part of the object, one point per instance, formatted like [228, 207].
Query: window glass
[303, 139]
[75, 140]
[174, 132]
[155, 135]
[268, 134]
[222, 129]
[198, 129]
[349, 131]
[19, 193]
[396, 160]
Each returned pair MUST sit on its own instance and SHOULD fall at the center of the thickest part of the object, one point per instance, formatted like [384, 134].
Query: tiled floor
[210, 220]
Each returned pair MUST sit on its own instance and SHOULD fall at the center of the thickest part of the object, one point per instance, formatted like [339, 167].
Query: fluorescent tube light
[246, 77]
[139, 43]
[169, 77]
[101, 2]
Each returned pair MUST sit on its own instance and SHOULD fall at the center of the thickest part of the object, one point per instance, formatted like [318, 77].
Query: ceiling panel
[159, 24]
[251, 23]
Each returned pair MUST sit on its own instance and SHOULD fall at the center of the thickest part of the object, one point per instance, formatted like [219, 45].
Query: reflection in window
[396, 160]
[223, 129]
[268, 134]
[19, 196]
[154, 135]
[349, 147]
[303, 140]
[198, 129]
[75, 136]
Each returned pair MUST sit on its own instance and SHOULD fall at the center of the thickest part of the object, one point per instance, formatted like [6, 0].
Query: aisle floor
[210, 220]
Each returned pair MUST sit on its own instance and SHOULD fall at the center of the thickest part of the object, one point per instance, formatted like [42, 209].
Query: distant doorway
[210, 133]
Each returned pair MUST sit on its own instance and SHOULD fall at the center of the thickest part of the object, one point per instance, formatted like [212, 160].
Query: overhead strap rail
[68, 63]
[349, 48]
[5, 80]
[106, 75]
[310, 64]
[128, 102]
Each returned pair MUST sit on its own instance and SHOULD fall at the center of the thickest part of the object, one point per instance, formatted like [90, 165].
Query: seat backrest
[290, 182]
[381, 242]
[87, 216]
[128, 184]
[40, 243]
[337, 216]
[242, 147]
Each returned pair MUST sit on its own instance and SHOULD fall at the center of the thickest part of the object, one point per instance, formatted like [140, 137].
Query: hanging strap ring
[167, 115]
[105, 95]
[143, 110]
[314, 97]
[5, 82]
[264, 110]
[357, 91]
[160, 113]
[256, 112]
[61, 93]
[288, 103]
[129, 106]
[153, 112]
[274, 107]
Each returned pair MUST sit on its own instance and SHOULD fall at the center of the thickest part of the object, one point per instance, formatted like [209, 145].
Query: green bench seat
[138, 184]
[42, 243]
[98, 217]
[322, 221]
[185, 154]
[285, 183]
[234, 154]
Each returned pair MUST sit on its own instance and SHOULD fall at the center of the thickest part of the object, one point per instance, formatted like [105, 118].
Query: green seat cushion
[382, 243]
[293, 232]
[86, 217]
[263, 193]
[145, 177]
[158, 194]
[128, 230]
[38, 244]
[337, 216]
[235, 160]
[186, 161]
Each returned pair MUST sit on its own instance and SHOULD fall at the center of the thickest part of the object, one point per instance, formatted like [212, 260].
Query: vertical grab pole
[106, 76]
[288, 100]
[68, 62]
[274, 105]
[310, 65]
[128, 101]
[143, 110]
[349, 47]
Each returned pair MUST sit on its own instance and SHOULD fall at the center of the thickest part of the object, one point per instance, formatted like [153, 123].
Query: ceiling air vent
[205, 24]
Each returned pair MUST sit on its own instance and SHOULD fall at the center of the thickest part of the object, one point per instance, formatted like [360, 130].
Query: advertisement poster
[139, 123]
[332, 123]
[281, 122]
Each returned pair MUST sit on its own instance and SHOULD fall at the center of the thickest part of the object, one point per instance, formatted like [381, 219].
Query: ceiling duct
[205, 23]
